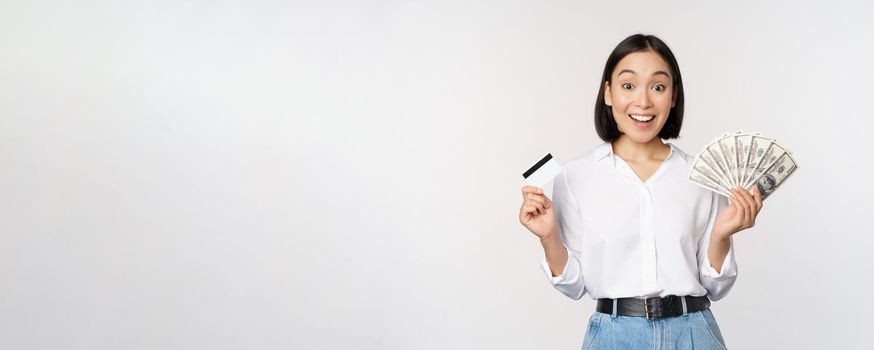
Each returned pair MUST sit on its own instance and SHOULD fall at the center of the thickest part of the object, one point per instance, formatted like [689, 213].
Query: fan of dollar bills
[742, 160]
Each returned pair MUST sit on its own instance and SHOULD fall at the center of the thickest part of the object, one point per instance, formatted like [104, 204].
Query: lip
[642, 125]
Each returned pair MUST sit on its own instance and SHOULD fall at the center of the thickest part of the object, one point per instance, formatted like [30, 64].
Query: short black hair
[604, 122]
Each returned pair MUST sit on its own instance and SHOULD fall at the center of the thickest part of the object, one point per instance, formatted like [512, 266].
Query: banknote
[776, 174]
[758, 145]
[742, 159]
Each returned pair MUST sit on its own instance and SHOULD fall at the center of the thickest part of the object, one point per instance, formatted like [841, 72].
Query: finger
[531, 189]
[529, 210]
[539, 198]
[748, 207]
[546, 202]
[546, 199]
[738, 207]
[753, 206]
[732, 200]
[537, 201]
[538, 209]
[744, 217]
[523, 215]
[758, 197]
[747, 194]
[737, 220]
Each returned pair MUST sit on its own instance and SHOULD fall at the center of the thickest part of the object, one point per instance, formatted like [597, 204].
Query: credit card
[541, 172]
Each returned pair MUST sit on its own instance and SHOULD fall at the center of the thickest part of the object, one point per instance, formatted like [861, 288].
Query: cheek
[622, 100]
[620, 105]
[664, 101]
[619, 115]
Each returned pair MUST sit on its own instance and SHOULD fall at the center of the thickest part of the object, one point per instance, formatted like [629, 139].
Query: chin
[641, 137]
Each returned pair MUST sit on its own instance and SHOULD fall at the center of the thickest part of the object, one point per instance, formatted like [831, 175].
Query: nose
[643, 99]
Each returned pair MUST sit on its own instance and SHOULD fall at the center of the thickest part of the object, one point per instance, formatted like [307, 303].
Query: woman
[627, 227]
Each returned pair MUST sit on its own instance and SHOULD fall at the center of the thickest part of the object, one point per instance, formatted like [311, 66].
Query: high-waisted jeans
[695, 330]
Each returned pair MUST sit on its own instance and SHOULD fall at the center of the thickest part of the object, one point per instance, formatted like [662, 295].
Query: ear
[608, 99]
[674, 98]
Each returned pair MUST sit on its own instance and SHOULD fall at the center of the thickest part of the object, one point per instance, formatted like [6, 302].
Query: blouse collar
[605, 151]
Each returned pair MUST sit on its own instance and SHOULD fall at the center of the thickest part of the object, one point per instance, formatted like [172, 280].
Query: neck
[628, 149]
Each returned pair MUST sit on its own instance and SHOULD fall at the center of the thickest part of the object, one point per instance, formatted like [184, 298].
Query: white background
[345, 175]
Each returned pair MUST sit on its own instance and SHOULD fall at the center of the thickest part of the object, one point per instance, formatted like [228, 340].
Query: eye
[659, 87]
[626, 84]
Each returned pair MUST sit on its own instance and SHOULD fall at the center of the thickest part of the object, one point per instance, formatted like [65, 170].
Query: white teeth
[642, 118]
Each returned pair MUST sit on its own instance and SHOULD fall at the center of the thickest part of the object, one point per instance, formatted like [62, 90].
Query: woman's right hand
[537, 213]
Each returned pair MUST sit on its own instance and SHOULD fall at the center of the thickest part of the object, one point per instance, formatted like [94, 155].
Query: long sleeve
[717, 283]
[570, 282]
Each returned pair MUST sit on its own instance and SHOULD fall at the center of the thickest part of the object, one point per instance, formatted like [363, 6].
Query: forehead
[643, 64]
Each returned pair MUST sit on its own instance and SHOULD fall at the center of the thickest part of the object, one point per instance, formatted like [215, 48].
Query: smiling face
[641, 94]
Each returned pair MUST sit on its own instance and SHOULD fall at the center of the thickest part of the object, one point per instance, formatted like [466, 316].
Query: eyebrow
[633, 72]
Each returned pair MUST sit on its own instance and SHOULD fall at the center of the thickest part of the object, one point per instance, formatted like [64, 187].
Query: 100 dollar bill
[745, 160]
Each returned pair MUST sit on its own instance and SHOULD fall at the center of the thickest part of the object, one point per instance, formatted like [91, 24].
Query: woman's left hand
[740, 214]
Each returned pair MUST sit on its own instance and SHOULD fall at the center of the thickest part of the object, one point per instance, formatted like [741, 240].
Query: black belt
[653, 308]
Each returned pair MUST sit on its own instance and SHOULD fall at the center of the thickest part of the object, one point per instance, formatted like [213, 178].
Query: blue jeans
[695, 330]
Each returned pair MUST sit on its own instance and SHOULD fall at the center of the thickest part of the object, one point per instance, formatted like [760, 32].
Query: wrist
[551, 239]
[720, 237]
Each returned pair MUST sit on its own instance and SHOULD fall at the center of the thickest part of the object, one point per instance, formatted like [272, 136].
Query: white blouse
[629, 238]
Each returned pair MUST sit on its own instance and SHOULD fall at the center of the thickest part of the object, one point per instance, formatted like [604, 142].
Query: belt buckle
[646, 311]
